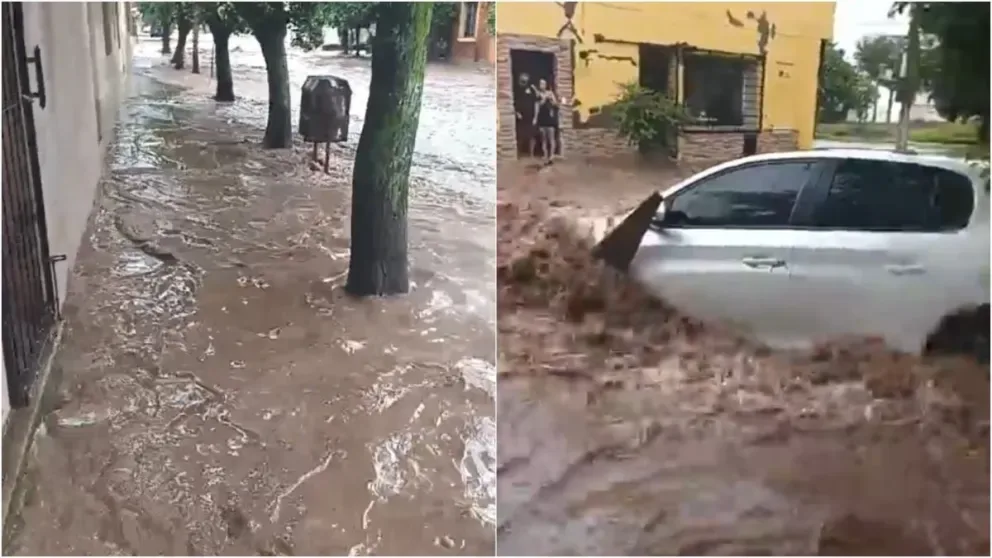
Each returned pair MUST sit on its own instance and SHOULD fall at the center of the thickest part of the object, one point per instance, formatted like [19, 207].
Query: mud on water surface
[222, 395]
[626, 427]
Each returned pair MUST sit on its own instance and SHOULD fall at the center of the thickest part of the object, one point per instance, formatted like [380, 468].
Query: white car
[807, 246]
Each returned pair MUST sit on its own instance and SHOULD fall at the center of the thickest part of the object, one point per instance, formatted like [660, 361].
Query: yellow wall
[792, 54]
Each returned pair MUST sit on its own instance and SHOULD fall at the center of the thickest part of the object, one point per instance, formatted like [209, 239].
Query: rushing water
[625, 428]
[221, 393]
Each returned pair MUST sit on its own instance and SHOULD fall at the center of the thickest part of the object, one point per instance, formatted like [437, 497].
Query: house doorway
[537, 65]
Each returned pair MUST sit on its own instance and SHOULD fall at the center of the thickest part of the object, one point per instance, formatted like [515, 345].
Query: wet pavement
[456, 141]
[222, 395]
[626, 428]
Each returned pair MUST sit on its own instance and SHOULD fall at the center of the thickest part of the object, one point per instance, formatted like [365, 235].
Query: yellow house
[747, 72]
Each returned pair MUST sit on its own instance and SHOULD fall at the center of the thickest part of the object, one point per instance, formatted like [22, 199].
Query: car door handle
[761, 262]
[905, 269]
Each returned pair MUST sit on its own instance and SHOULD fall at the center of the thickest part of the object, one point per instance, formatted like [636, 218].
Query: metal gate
[29, 306]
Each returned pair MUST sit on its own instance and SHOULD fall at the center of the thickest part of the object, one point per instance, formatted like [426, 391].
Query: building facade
[65, 75]
[746, 72]
[471, 40]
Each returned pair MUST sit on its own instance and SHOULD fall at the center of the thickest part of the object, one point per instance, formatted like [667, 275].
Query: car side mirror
[659, 217]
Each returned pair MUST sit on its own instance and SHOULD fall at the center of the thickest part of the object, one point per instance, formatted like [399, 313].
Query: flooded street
[627, 428]
[221, 393]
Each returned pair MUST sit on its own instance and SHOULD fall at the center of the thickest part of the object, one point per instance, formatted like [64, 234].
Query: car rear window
[894, 196]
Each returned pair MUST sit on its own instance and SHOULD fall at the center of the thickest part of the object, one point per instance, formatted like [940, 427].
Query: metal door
[29, 306]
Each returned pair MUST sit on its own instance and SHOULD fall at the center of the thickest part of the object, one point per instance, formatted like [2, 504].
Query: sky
[854, 19]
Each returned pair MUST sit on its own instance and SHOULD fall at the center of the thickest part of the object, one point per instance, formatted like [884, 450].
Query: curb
[18, 433]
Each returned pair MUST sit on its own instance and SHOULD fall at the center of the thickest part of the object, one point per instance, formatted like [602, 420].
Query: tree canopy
[842, 88]
[958, 62]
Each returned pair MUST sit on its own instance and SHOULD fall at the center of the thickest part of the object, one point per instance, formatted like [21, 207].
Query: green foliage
[960, 76]
[444, 15]
[361, 15]
[350, 15]
[879, 57]
[305, 20]
[221, 16]
[156, 14]
[646, 116]
[491, 19]
[841, 88]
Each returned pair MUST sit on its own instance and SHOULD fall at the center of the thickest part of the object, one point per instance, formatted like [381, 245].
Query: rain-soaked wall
[85, 82]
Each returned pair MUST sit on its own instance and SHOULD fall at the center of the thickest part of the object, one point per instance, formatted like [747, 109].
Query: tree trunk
[888, 111]
[380, 179]
[909, 85]
[196, 49]
[279, 129]
[166, 35]
[179, 56]
[222, 58]
[344, 37]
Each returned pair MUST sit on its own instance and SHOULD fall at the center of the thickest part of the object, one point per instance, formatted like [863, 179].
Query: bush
[645, 116]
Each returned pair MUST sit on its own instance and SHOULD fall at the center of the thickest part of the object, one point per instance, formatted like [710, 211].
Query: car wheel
[965, 332]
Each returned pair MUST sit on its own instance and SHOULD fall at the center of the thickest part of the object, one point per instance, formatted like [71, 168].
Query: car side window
[894, 196]
[754, 196]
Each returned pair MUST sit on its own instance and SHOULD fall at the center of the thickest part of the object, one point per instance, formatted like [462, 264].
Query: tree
[269, 22]
[223, 21]
[864, 97]
[443, 21]
[184, 24]
[841, 88]
[880, 58]
[349, 18]
[196, 46]
[158, 15]
[380, 179]
[959, 76]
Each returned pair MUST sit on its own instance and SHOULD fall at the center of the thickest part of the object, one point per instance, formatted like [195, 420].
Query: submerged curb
[18, 433]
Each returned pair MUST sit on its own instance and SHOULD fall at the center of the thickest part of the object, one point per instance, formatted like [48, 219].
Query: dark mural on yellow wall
[766, 29]
[568, 8]
[585, 55]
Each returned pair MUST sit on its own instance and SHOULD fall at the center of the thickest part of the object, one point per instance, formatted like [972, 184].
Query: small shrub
[645, 116]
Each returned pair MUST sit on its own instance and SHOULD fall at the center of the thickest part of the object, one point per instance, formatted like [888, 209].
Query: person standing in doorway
[546, 118]
[525, 101]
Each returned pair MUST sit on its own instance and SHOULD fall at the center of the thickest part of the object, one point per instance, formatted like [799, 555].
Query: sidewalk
[222, 395]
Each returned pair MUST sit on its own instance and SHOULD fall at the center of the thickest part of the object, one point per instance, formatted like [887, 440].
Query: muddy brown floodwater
[223, 396]
[626, 427]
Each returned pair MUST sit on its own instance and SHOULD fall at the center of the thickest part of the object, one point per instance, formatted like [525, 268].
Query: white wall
[77, 69]
[76, 66]
[4, 400]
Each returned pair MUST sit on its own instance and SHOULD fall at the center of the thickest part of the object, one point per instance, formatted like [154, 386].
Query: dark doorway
[29, 307]
[654, 71]
[537, 65]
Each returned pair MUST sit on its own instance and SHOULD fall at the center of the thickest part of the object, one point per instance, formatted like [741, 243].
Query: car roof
[957, 165]
[949, 163]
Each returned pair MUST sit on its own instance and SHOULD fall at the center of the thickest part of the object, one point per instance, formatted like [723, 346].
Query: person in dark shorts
[525, 101]
[546, 118]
